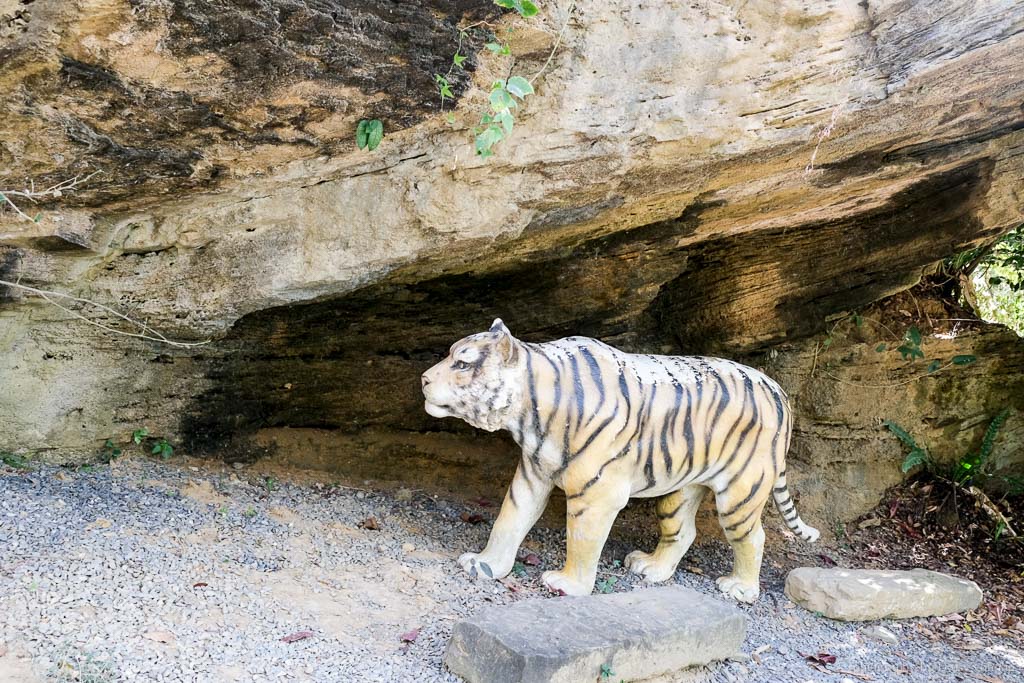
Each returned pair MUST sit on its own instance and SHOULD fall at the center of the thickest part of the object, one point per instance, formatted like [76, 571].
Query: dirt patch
[203, 492]
[16, 665]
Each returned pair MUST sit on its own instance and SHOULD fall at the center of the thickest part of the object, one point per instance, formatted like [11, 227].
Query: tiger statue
[606, 426]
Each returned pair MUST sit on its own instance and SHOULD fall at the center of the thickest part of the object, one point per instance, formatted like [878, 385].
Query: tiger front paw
[479, 565]
[562, 583]
[650, 566]
[737, 589]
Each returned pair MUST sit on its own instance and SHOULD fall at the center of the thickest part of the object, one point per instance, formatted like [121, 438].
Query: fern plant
[918, 454]
[972, 464]
[968, 468]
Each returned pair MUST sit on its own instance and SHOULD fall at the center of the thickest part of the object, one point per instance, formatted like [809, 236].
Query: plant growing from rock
[909, 349]
[507, 94]
[110, 452]
[163, 449]
[14, 461]
[369, 134]
[966, 473]
[969, 467]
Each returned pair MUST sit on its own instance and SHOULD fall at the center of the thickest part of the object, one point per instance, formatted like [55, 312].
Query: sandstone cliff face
[694, 177]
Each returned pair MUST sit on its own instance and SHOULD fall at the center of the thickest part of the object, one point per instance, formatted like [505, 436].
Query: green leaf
[519, 86]
[37, 217]
[374, 134]
[857, 320]
[459, 59]
[880, 348]
[527, 8]
[914, 335]
[157, 448]
[361, 134]
[450, 117]
[495, 48]
[965, 359]
[902, 435]
[501, 100]
[989, 440]
[827, 343]
[910, 352]
[914, 458]
[507, 4]
[487, 139]
[933, 366]
[504, 117]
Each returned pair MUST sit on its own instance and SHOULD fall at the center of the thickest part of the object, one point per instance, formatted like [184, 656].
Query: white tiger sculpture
[605, 426]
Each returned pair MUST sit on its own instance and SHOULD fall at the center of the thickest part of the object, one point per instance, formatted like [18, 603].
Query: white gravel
[114, 574]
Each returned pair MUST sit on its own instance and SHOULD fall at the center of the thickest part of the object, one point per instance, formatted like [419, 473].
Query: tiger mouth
[438, 409]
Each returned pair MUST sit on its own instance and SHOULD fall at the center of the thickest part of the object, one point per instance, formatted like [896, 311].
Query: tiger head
[478, 382]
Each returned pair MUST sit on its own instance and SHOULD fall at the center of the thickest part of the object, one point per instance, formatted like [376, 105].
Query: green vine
[505, 96]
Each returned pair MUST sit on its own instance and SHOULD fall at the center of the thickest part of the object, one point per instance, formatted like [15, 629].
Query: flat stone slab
[638, 634]
[866, 594]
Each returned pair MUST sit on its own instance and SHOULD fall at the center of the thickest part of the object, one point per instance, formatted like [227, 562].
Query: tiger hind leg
[741, 521]
[677, 513]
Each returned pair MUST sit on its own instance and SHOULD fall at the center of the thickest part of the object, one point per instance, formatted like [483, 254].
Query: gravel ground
[181, 571]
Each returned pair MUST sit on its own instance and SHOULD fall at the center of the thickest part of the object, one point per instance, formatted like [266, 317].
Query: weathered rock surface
[845, 389]
[639, 634]
[866, 594]
[690, 177]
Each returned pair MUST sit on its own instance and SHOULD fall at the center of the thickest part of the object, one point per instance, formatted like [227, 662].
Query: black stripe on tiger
[749, 497]
[595, 374]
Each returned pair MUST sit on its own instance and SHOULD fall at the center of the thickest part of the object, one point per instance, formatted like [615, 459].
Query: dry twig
[148, 333]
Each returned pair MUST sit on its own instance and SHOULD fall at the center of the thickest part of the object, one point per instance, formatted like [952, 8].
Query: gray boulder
[866, 594]
[635, 635]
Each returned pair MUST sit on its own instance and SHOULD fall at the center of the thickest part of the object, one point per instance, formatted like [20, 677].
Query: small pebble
[881, 634]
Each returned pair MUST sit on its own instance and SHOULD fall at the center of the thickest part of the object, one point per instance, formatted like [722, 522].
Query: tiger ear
[499, 327]
[505, 344]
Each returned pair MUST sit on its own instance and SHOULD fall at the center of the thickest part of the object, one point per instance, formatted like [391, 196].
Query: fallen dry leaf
[410, 636]
[370, 523]
[820, 658]
[471, 518]
[531, 559]
[298, 635]
[99, 524]
[200, 584]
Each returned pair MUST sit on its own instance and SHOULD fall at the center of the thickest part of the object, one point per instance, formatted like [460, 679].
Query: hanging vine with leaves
[506, 95]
